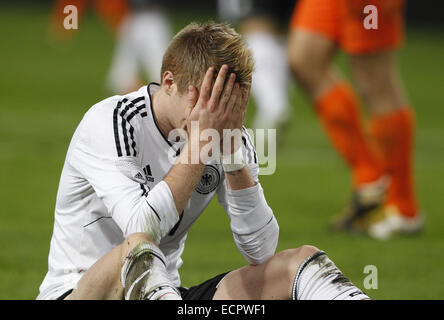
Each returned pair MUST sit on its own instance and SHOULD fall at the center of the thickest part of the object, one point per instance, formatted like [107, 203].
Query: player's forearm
[183, 178]
[248, 209]
[253, 224]
[259, 246]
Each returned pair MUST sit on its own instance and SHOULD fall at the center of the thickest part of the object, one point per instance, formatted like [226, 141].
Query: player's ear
[168, 81]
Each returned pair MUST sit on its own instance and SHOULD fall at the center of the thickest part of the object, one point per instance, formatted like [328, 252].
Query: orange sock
[393, 133]
[339, 113]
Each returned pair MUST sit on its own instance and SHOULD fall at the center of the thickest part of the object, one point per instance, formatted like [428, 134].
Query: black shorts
[203, 291]
[67, 293]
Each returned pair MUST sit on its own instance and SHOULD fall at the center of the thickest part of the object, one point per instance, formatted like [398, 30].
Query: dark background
[426, 13]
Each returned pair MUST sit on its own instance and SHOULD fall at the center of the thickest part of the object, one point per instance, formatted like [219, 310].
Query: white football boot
[393, 222]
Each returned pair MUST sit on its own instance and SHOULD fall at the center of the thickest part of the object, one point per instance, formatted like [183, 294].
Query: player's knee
[132, 240]
[380, 88]
[364, 83]
[137, 237]
[291, 259]
[309, 58]
[306, 251]
[298, 65]
[372, 80]
[312, 74]
[296, 57]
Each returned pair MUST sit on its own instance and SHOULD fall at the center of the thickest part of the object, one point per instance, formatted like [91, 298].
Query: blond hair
[198, 47]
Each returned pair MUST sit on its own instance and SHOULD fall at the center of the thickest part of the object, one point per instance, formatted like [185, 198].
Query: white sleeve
[119, 182]
[255, 229]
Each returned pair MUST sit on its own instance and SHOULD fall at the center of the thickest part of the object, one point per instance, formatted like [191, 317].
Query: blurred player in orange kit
[143, 37]
[112, 11]
[384, 201]
[142, 30]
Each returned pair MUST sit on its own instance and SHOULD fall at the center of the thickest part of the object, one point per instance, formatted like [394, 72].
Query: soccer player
[142, 38]
[111, 11]
[380, 161]
[137, 53]
[259, 21]
[129, 192]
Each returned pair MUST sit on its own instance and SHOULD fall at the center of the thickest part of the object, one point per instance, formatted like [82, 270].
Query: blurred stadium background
[46, 88]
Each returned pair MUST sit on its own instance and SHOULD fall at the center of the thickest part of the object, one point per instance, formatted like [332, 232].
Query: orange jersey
[343, 22]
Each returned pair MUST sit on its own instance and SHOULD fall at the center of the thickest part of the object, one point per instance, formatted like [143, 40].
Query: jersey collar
[151, 88]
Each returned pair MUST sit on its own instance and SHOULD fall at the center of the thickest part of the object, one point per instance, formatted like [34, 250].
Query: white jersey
[112, 181]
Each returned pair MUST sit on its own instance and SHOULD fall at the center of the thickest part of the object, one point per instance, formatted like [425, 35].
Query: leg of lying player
[134, 270]
[305, 273]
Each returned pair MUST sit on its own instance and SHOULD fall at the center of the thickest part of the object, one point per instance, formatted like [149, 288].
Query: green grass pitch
[45, 90]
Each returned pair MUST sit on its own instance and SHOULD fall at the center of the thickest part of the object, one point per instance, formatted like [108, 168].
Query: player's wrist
[190, 155]
[233, 162]
[231, 156]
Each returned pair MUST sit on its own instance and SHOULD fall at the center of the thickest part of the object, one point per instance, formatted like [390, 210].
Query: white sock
[319, 279]
[144, 275]
[270, 80]
[165, 293]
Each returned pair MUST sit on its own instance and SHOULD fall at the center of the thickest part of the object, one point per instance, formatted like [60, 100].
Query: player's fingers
[245, 96]
[234, 98]
[218, 86]
[240, 107]
[227, 93]
[245, 99]
[207, 84]
[192, 96]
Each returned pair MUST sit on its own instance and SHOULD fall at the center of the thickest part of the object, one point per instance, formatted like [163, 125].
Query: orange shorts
[112, 11]
[343, 22]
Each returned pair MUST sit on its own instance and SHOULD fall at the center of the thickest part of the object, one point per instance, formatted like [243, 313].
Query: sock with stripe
[394, 133]
[144, 275]
[319, 279]
[339, 113]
